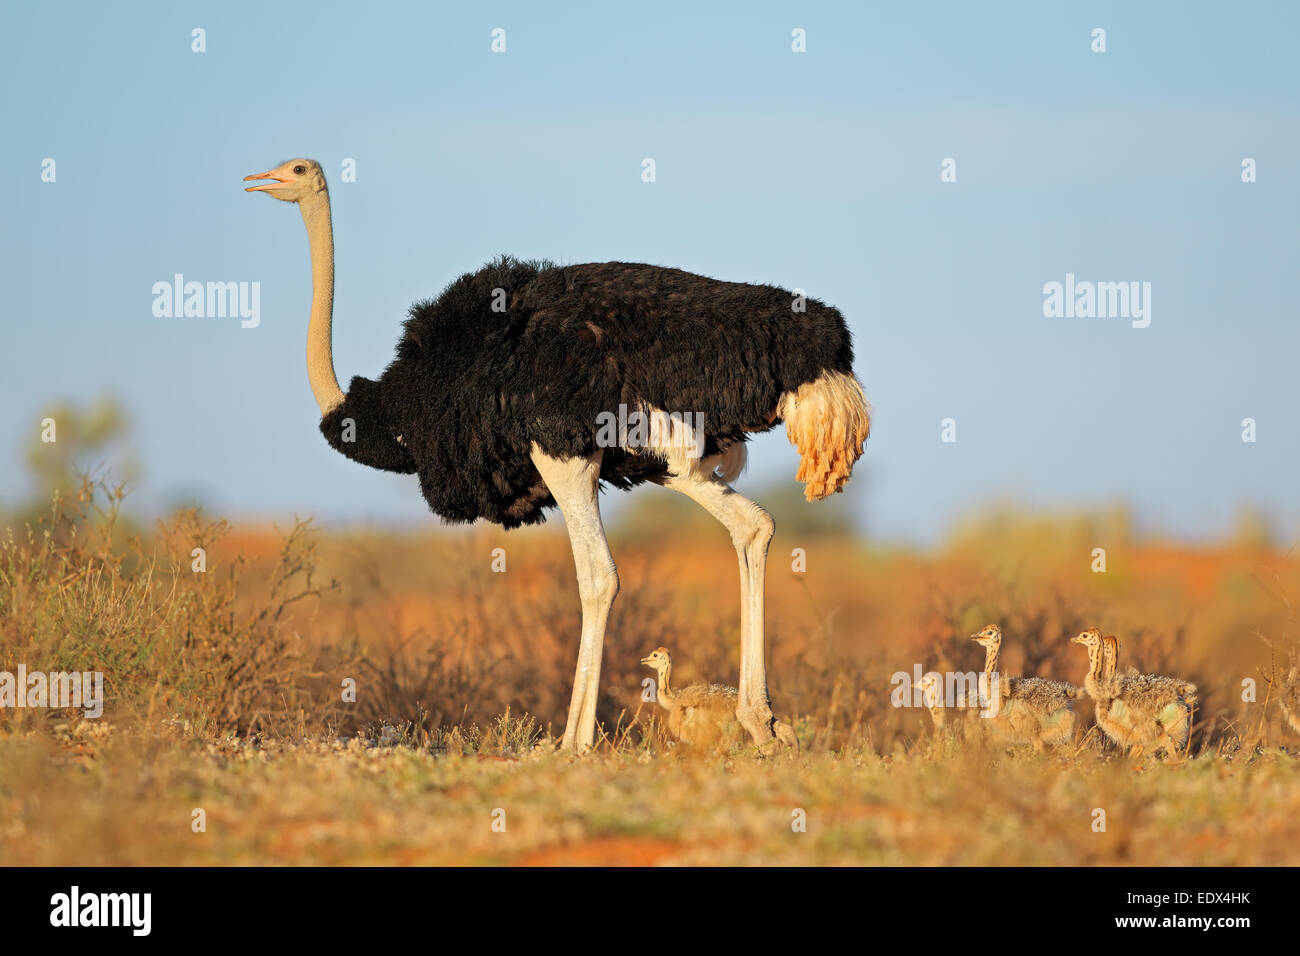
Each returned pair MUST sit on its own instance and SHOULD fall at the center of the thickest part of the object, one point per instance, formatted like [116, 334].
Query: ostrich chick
[1109, 668]
[1136, 710]
[932, 695]
[1031, 710]
[703, 716]
[967, 721]
[967, 716]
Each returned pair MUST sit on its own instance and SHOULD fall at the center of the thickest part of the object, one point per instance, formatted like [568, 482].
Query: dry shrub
[437, 642]
[498, 646]
[177, 645]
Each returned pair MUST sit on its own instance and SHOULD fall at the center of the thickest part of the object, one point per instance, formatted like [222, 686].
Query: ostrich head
[1091, 638]
[991, 636]
[294, 180]
[658, 659]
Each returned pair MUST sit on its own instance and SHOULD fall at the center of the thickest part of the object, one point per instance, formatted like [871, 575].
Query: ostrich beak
[646, 661]
[1077, 639]
[279, 181]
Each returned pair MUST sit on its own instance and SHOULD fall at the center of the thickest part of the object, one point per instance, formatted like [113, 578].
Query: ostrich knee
[597, 591]
[604, 589]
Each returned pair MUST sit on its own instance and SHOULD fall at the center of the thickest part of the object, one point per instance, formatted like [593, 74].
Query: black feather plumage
[471, 388]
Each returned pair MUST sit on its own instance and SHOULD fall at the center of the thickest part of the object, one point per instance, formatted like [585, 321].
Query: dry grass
[131, 802]
[225, 694]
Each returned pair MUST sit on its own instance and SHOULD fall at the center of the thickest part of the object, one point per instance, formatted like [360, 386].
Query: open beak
[279, 182]
[646, 660]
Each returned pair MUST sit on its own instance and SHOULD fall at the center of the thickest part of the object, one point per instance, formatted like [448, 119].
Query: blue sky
[818, 170]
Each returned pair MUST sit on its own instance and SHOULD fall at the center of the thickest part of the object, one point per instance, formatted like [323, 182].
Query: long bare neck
[665, 692]
[1109, 661]
[320, 344]
[992, 654]
[1096, 665]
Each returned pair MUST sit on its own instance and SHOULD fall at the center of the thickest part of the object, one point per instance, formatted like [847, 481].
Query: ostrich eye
[299, 170]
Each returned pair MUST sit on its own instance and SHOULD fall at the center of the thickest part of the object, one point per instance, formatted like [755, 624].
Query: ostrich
[932, 694]
[1114, 716]
[967, 714]
[702, 715]
[1109, 668]
[500, 386]
[1136, 710]
[1032, 709]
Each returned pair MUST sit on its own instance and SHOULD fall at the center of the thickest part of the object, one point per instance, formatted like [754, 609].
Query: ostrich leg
[574, 484]
[751, 532]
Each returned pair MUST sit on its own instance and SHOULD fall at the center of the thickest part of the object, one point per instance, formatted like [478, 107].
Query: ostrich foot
[782, 741]
[758, 722]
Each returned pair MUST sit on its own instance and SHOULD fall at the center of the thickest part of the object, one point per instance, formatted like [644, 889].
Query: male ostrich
[500, 385]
